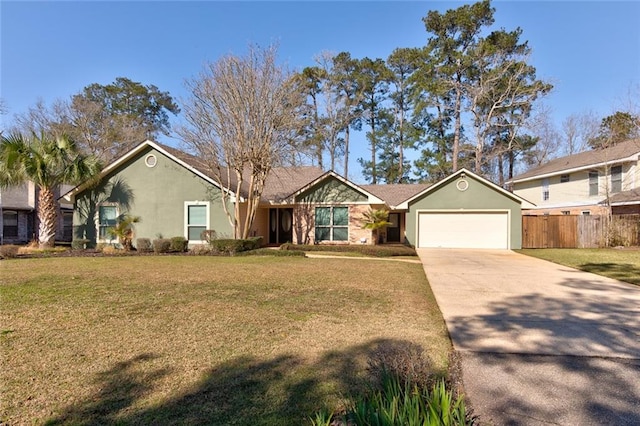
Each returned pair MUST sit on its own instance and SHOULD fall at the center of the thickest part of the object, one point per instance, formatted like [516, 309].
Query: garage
[464, 210]
[469, 229]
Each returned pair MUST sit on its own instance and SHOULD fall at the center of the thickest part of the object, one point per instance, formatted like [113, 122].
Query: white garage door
[464, 230]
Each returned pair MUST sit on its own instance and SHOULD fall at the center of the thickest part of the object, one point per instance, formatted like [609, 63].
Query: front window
[196, 220]
[332, 223]
[107, 218]
[616, 179]
[10, 224]
[593, 183]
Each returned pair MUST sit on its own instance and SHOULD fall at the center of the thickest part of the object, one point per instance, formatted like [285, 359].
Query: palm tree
[123, 230]
[375, 220]
[48, 162]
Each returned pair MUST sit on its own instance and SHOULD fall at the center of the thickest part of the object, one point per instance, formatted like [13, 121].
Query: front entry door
[280, 226]
[393, 230]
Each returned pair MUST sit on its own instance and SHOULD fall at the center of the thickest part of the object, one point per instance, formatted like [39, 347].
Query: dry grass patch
[175, 340]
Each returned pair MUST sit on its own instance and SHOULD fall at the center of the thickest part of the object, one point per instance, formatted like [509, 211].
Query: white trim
[631, 158]
[523, 202]
[462, 184]
[150, 160]
[625, 203]
[579, 203]
[186, 219]
[453, 211]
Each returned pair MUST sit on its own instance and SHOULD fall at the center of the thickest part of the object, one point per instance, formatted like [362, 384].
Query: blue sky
[589, 50]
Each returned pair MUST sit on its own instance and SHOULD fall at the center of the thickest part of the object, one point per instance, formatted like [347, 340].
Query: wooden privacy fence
[580, 231]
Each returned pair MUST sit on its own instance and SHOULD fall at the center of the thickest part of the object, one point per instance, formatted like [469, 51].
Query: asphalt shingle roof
[584, 159]
[394, 194]
[630, 196]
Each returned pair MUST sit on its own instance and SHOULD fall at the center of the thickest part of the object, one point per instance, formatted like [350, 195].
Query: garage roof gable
[461, 174]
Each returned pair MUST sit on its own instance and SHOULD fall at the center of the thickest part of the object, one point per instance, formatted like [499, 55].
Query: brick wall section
[304, 232]
[592, 209]
[356, 232]
[630, 209]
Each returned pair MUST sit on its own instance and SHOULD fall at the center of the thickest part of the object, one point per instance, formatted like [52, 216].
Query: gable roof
[373, 199]
[395, 194]
[281, 181]
[621, 152]
[284, 181]
[462, 172]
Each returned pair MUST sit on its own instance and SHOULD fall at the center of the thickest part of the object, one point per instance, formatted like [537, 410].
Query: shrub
[110, 250]
[230, 247]
[200, 249]
[209, 235]
[143, 245]
[271, 252]
[79, 244]
[365, 250]
[100, 246]
[179, 244]
[161, 245]
[9, 251]
[227, 246]
[404, 360]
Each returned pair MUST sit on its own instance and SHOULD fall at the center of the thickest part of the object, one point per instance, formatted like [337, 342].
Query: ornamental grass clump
[400, 403]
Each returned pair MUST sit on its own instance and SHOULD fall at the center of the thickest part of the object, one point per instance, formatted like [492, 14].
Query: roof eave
[70, 195]
[630, 158]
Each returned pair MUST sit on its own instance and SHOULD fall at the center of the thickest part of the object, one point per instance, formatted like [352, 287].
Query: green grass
[620, 264]
[192, 340]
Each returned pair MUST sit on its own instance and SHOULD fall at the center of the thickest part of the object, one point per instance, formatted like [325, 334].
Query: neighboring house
[174, 194]
[582, 183]
[18, 208]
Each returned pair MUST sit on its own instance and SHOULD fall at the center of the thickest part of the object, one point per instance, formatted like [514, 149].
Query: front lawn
[192, 340]
[621, 264]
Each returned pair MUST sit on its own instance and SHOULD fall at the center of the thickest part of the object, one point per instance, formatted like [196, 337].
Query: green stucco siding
[156, 194]
[478, 196]
[331, 190]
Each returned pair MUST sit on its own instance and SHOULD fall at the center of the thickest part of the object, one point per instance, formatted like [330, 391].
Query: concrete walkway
[540, 343]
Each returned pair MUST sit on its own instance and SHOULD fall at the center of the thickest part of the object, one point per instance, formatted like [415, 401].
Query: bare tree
[501, 101]
[243, 116]
[578, 130]
[542, 127]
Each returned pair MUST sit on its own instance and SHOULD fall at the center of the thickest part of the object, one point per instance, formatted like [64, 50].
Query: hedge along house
[464, 210]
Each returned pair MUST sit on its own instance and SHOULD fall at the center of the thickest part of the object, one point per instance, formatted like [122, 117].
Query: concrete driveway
[540, 343]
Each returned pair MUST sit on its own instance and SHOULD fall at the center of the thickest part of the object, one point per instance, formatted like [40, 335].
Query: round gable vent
[150, 160]
[462, 184]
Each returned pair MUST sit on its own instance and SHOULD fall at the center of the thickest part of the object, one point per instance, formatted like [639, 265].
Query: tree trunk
[401, 146]
[346, 152]
[456, 131]
[512, 159]
[47, 217]
[372, 123]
